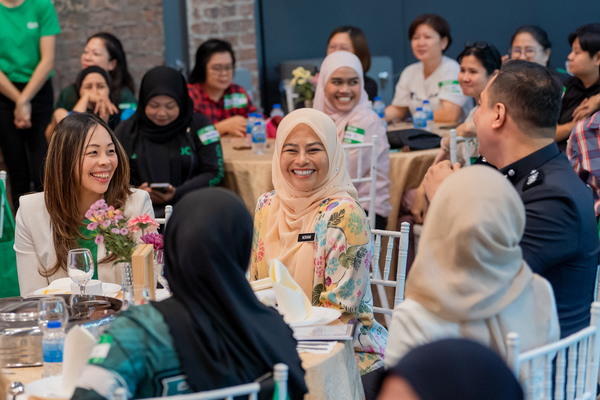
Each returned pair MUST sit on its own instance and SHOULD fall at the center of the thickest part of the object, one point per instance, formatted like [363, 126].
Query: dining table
[250, 175]
[331, 376]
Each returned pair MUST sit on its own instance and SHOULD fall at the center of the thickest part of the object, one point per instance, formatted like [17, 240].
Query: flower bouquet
[110, 227]
[304, 84]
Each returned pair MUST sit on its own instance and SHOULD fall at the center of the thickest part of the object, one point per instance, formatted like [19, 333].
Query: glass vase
[127, 284]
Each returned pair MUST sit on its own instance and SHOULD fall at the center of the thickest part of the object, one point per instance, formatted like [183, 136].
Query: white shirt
[442, 84]
[35, 246]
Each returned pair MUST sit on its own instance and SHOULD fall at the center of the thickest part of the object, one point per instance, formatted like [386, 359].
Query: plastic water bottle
[53, 343]
[379, 106]
[276, 111]
[249, 125]
[427, 110]
[420, 119]
[259, 138]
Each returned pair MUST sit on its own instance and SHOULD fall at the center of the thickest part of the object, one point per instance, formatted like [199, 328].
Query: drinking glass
[51, 308]
[80, 267]
[159, 264]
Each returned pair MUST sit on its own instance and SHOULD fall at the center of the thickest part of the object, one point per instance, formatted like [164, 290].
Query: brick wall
[138, 24]
[232, 20]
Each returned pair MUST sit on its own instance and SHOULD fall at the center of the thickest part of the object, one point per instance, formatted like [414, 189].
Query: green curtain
[9, 281]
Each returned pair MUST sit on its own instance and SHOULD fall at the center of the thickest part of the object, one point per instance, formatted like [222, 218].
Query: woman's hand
[23, 114]
[103, 107]
[235, 125]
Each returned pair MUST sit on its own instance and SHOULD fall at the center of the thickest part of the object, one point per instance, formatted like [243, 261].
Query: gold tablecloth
[330, 376]
[249, 175]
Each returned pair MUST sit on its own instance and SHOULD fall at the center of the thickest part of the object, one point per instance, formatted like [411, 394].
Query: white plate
[47, 388]
[318, 316]
[108, 289]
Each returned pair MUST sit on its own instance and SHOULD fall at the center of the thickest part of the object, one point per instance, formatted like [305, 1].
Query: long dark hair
[120, 76]
[61, 185]
[205, 51]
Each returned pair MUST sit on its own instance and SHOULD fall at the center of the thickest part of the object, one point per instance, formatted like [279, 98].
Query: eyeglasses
[220, 68]
[477, 45]
[528, 51]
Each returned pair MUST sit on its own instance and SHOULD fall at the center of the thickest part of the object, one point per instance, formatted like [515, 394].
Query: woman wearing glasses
[531, 43]
[212, 89]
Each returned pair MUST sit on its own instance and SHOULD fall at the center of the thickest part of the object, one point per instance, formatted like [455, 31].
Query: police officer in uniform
[516, 123]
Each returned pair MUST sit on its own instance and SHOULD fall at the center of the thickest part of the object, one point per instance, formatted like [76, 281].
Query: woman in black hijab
[92, 89]
[171, 149]
[223, 335]
[213, 332]
[450, 369]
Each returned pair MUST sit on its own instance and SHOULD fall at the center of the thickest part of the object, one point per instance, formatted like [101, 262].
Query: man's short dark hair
[530, 92]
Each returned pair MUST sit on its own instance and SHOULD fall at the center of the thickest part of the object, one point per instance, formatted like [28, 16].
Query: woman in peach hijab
[314, 195]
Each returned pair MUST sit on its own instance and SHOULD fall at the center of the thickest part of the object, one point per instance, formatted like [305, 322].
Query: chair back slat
[356, 175]
[388, 259]
[581, 365]
[399, 239]
[575, 374]
[559, 393]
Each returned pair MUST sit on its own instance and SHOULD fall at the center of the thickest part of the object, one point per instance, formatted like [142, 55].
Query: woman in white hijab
[340, 94]
[314, 195]
[469, 278]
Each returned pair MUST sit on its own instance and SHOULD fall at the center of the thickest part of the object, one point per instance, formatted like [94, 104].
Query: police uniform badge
[534, 178]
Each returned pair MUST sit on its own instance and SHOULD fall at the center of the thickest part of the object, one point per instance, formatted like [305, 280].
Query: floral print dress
[343, 251]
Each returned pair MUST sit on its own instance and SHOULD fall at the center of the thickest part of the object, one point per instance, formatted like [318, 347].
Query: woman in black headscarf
[92, 87]
[450, 369]
[213, 332]
[171, 149]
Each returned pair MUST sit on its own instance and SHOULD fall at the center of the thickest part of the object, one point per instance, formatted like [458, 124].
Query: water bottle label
[235, 100]
[209, 134]
[354, 135]
[259, 137]
[53, 351]
[419, 122]
[100, 350]
[450, 87]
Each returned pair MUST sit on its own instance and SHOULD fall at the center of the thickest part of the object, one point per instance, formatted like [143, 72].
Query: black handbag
[415, 139]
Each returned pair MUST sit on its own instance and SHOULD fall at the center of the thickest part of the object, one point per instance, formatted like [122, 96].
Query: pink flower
[99, 239]
[88, 214]
[92, 226]
[342, 247]
[116, 231]
[155, 239]
[124, 231]
[106, 223]
[142, 222]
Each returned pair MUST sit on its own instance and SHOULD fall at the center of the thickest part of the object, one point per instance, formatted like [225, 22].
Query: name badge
[228, 102]
[307, 237]
[450, 87]
[353, 135]
[209, 134]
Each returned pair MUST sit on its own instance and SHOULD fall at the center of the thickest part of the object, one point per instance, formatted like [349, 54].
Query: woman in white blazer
[80, 169]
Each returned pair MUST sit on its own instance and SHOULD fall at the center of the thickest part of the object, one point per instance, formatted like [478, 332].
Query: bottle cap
[54, 324]
[276, 105]
[419, 109]
[377, 98]
[425, 101]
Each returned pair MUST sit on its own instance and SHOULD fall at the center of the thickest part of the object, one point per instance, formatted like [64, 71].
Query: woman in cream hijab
[314, 195]
[469, 278]
[340, 94]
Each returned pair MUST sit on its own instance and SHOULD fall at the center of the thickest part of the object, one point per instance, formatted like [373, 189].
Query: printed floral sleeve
[258, 265]
[342, 261]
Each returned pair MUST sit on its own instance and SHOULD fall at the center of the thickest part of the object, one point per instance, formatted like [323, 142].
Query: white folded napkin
[66, 286]
[293, 303]
[78, 347]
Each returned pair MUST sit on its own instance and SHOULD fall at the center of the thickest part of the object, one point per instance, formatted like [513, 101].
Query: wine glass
[51, 308]
[159, 265]
[80, 267]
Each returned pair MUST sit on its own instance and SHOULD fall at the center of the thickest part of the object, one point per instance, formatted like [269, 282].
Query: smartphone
[160, 187]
